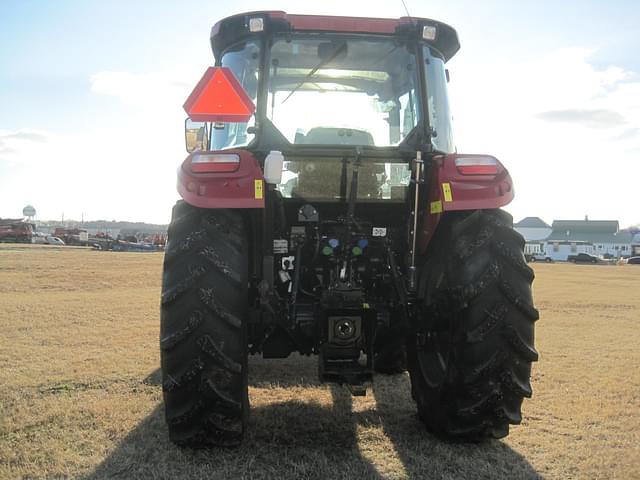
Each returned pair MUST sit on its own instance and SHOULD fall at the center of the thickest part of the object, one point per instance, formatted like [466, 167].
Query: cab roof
[236, 28]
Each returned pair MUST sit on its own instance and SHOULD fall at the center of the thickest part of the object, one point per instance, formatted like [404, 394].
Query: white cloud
[563, 128]
[156, 90]
[25, 134]
[124, 173]
[591, 118]
[24, 146]
[125, 170]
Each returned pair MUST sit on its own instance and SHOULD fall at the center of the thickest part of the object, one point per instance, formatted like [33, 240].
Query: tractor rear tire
[470, 355]
[203, 327]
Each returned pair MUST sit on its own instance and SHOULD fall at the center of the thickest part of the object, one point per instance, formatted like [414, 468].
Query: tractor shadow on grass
[303, 438]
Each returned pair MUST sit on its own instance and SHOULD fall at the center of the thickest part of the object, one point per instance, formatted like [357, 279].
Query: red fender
[243, 188]
[462, 182]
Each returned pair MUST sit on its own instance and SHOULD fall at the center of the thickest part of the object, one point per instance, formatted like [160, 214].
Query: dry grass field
[80, 394]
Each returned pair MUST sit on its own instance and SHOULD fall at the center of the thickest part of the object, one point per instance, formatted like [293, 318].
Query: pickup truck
[583, 258]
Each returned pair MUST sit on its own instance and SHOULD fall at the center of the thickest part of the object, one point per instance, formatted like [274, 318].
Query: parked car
[584, 258]
[633, 261]
[39, 238]
[540, 257]
[51, 240]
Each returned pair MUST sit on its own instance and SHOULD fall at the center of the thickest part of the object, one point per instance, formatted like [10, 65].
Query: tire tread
[485, 306]
[203, 333]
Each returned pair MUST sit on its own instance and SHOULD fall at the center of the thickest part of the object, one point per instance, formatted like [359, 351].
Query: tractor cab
[332, 94]
[336, 81]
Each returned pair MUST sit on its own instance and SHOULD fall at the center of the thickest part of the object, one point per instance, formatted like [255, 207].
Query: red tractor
[327, 212]
[15, 230]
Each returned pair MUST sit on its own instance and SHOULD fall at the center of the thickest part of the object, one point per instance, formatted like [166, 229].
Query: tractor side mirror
[196, 135]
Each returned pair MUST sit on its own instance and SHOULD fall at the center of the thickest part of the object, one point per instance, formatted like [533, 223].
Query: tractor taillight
[477, 165]
[214, 162]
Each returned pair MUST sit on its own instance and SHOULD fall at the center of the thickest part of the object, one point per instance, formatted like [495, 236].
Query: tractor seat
[334, 136]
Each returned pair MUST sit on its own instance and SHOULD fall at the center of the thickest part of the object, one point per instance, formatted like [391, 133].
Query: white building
[532, 248]
[560, 250]
[532, 229]
[604, 237]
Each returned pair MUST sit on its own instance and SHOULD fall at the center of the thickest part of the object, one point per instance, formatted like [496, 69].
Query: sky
[91, 94]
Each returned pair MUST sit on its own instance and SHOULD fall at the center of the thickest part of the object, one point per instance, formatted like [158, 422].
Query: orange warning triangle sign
[219, 97]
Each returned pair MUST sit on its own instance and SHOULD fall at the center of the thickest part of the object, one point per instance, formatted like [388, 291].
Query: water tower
[29, 212]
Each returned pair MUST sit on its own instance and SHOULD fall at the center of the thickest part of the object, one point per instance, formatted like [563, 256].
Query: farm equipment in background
[125, 246]
[16, 230]
[72, 236]
[326, 212]
[130, 243]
